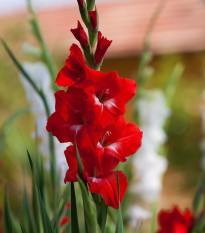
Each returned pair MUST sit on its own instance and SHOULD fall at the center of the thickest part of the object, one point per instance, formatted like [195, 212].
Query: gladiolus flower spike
[90, 115]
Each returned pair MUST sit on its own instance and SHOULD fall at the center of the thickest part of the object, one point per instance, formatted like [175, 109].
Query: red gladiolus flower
[64, 221]
[93, 19]
[120, 139]
[71, 115]
[175, 221]
[80, 3]
[76, 72]
[101, 179]
[107, 187]
[109, 95]
[80, 35]
[102, 47]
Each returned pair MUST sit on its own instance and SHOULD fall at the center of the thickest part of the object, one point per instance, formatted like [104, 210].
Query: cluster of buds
[88, 42]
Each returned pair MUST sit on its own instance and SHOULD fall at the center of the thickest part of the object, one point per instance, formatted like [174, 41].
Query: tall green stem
[54, 177]
[45, 52]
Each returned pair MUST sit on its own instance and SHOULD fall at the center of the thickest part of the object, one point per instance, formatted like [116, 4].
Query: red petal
[107, 187]
[128, 89]
[71, 114]
[121, 139]
[113, 92]
[58, 127]
[63, 79]
[75, 69]
[80, 35]
[71, 159]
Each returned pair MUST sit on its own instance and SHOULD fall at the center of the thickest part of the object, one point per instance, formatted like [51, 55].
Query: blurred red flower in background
[175, 221]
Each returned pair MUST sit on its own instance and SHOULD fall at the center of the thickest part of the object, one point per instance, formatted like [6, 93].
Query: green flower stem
[42, 96]
[154, 217]
[88, 51]
[45, 52]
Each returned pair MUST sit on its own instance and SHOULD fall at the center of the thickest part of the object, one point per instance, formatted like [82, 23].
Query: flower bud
[93, 19]
[81, 3]
[80, 35]
[102, 46]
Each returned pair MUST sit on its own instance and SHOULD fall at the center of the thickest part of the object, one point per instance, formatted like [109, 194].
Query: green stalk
[43, 98]
[154, 215]
[45, 52]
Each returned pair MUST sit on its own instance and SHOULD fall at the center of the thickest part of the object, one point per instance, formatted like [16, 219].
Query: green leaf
[22, 229]
[154, 218]
[35, 198]
[199, 225]
[119, 227]
[43, 98]
[74, 215]
[59, 213]
[89, 210]
[172, 82]
[198, 202]
[8, 215]
[44, 49]
[80, 165]
[47, 225]
[30, 161]
[20, 67]
[36, 207]
[102, 214]
[28, 213]
[7, 127]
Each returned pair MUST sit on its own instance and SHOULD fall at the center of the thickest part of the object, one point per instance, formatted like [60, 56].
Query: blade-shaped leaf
[19, 66]
[80, 165]
[198, 202]
[59, 213]
[102, 215]
[22, 228]
[8, 215]
[47, 225]
[43, 98]
[28, 213]
[119, 227]
[172, 82]
[89, 209]
[74, 215]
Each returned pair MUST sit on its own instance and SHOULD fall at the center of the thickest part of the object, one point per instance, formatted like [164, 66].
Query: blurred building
[180, 27]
